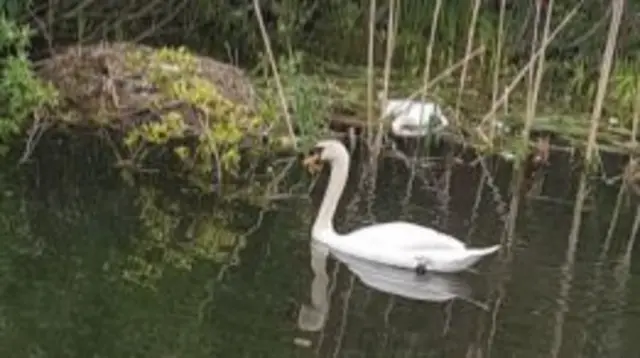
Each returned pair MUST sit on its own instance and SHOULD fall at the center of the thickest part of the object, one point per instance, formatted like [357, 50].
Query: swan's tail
[483, 251]
[471, 257]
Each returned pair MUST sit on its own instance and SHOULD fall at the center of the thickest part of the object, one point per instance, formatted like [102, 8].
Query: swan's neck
[323, 226]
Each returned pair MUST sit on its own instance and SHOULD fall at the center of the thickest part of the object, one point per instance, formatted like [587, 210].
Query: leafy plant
[21, 92]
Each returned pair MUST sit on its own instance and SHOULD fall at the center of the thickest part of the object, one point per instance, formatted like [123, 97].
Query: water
[91, 267]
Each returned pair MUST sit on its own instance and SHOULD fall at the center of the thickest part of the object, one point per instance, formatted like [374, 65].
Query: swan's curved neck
[323, 226]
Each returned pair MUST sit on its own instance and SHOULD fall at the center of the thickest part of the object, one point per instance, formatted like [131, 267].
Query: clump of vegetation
[218, 122]
[22, 94]
[206, 238]
[199, 109]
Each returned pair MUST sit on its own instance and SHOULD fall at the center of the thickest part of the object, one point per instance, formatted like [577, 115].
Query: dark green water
[90, 267]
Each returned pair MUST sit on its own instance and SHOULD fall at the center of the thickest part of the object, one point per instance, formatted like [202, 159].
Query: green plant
[306, 96]
[624, 83]
[22, 94]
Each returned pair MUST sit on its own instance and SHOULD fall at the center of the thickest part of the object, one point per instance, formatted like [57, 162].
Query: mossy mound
[198, 107]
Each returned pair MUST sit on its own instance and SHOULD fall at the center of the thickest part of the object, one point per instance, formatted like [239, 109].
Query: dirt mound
[145, 101]
[200, 109]
[123, 83]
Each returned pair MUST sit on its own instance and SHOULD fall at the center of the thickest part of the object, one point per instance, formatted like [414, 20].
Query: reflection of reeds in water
[567, 268]
[566, 277]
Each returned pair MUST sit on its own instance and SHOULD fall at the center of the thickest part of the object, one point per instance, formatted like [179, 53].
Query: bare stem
[605, 71]
[497, 66]
[636, 115]
[276, 74]
[532, 100]
[392, 28]
[534, 41]
[463, 74]
[370, 70]
[432, 40]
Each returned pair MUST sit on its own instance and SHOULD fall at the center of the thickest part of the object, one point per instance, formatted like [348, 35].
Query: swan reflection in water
[433, 287]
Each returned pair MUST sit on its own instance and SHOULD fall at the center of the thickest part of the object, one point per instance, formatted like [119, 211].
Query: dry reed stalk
[392, 29]
[605, 71]
[496, 70]
[507, 91]
[276, 74]
[429, 51]
[636, 116]
[532, 97]
[463, 75]
[534, 41]
[567, 269]
[370, 70]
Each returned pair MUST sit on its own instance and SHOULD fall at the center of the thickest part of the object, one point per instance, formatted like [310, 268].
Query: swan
[400, 244]
[414, 118]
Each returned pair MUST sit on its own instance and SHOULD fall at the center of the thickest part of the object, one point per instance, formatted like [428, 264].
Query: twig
[35, 133]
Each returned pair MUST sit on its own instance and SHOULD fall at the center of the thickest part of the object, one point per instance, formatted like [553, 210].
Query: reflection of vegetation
[159, 245]
[63, 247]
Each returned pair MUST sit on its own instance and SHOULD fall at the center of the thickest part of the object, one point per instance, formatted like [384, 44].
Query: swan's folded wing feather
[405, 236]
[453, 260]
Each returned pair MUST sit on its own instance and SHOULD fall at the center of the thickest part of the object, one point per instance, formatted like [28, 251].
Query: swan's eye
[313, 161]
[316, 151]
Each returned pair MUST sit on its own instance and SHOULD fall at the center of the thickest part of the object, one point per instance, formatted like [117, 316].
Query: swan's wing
[452, 260]
[405, 236]
[411, 112]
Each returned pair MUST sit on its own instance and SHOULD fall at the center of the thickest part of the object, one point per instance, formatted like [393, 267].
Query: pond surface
[91, 267]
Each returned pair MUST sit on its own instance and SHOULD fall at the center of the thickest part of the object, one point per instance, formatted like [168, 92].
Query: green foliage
[306, 96]
[223, 122]
[21, 92]
[62, 262]
[625, 82]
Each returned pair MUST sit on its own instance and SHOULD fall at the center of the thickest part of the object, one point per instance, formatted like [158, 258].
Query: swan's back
[404, 235]
[410, 112]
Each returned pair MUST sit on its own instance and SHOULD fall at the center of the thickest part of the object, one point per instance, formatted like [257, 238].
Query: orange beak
[312, 163]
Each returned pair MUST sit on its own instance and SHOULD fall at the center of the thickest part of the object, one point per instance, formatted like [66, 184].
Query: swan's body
[414, 118]
[398, 244]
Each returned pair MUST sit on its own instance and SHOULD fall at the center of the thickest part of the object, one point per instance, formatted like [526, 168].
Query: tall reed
[370, 70]
[605, 71]
[276, 74]
[497, 67]
[392, 29]
[463, 75]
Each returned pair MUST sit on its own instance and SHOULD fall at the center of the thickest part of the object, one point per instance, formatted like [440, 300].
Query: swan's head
[330, 150]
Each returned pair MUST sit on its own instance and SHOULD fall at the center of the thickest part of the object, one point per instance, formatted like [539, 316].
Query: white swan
[414, 118]
[398, 244]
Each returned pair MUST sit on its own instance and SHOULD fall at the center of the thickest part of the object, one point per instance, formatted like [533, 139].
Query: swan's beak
[313, 163]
